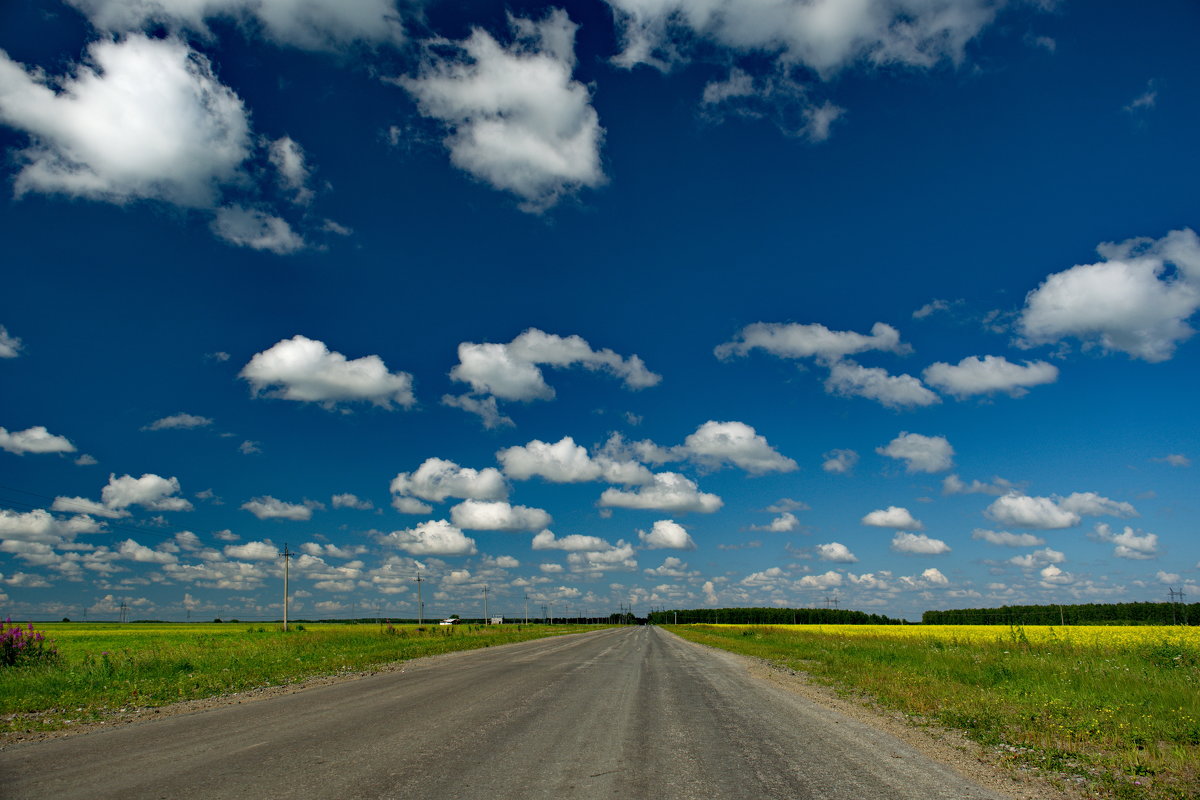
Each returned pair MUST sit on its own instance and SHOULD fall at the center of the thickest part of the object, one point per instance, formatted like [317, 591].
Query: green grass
[1123, 716]
[107, 667]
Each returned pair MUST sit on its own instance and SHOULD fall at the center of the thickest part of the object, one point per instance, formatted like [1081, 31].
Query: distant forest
[1086, 614]
[768, 616]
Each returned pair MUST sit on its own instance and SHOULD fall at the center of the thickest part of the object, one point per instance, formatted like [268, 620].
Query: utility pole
[420, 603]
[287, 560]
[124, 608]
[486, 619]
[527, 608]
[1176, 598]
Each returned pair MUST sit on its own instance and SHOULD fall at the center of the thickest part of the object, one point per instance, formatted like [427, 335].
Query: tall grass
[1122, 712]
[102, 668]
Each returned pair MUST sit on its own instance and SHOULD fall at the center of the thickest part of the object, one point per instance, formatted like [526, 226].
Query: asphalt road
[621, 713]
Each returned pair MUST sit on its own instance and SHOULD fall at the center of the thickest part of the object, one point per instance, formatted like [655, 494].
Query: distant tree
[66, 619]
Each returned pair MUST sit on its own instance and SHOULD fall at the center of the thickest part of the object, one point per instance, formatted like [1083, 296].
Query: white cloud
[249, 448]
[1145, 100]
[931, 307]
[268, 507]
[436, 479]
[307, 24]
[256, 229]
[671, 567]
[10, 346]
[546, 540]
[1023, 511]
[516, 118]
[1164, 577]
[292, 172]
[143, 119]
[150, 491]
[666, 534]
[566, 462]
[787, 504]
[511, 371]
[1090, 504]
[86, 460]
[952, 484]
[253, 551]
[783, 523]
[1038, 558]
[410, 505]
[918, 544]
[822, 35]
[774, 96]
[669, 491]
[715, 443]
[793, 340]
[178, 421]
[433, 538]
[1053, 576]
[1129, 543]
[40, 526]
[551, 568]
[1129, 302]
[927, 579]
[850, 379]
[619, 557]
[348, 500]
[988, 375]
[839, 462]
[1006, 539]
[920, 453]
[892, 517]
[306, 370]
[837, 552]
[1175, 460]
[132, 551]
[828, 580]
[497, 515]
[82, 505]
[34, 440]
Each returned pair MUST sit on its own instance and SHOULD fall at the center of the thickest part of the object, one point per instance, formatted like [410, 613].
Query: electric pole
[420, 603]
[287, 560]
[124, 608]
[486, 619]
[527, 608]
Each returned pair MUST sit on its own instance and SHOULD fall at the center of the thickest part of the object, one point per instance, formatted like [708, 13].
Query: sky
[887, 304]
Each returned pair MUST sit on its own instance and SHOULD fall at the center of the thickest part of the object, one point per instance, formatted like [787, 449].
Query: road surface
[629, 712]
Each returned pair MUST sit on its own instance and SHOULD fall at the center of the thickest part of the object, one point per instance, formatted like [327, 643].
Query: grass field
[1116, 706]
[103, 667]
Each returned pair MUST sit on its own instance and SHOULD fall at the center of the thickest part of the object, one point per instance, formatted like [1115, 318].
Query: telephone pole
[287, 561]
[486, 619]
[420, 603]
[527, 608]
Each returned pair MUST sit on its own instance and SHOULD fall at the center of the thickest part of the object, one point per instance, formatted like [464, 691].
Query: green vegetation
[768, 616]
[1120, 711]
[104, 667]
[1083, 614]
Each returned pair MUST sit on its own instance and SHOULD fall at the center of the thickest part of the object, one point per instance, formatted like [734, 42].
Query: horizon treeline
[1080, 614]
[768, 616]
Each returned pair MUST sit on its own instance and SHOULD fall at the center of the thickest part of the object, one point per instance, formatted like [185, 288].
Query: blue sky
[633, 302]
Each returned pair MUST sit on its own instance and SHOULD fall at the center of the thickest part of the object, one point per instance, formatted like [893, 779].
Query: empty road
[620, 713]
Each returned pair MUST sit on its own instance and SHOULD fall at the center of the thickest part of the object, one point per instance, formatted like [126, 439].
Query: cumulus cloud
[827, 580]
[546, 540]
[1038, 559]
[836, 552]
[40, 526]
[292, 171]
[991, 374]
[143, 118]
[433, 538]
[34, 440]
[1006, 539]
[132, 551]
[1090, 504]
[619, 557]
[511, 371]
[669, 491]
[253, 551]
[918, 544]
[920, 453]
[666, 534]
[1137, 301]
[717, 443]
[1174, 460]
[824, 36]
[850, 379]
[149, 491]
[774, 96]
[436, 479]
[783, 523]
[348, 500]
[10, 346]
[256, 229]
[892, 517]
[1128, 543]
[516, 118]
[485, 408]
[306, 24]
[567, 462]
[952, 484]
[305, 370]
[839, 462]
[1023, 511]
[793, 340]
[182, 421]
[928, 579]
[268, 507]
[497, 515]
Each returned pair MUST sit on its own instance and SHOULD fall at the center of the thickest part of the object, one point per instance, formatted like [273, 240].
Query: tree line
[1081, 614]
[768, 616]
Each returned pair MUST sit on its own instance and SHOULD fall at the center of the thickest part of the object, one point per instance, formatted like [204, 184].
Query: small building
[496, 621]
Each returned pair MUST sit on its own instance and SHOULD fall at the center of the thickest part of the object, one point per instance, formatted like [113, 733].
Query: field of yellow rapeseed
[1100, 636]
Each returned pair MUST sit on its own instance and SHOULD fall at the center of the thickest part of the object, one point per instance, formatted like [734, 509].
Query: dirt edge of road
[970, 759]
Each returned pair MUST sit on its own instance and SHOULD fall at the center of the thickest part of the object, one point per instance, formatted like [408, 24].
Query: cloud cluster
[512, 371]
[10, 346]
[305, 370]
[268, 507]
[1128, 543]
[793, 340]
[516, 118]
[432, 538]
[892, 517]
[437, 479]
[668, 491]
[918, 544]
[920, 453]
[1137, 301]
[497, 515]
[34, 440]
[666, 534]
[567, 462]
[989, 375]
[1051, 513]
